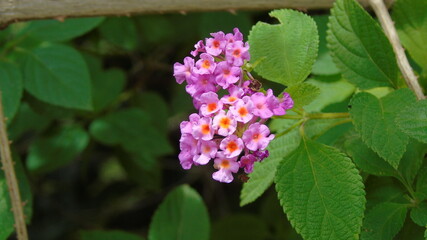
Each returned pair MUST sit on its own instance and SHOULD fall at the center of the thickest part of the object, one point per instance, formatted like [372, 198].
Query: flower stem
[12, 182]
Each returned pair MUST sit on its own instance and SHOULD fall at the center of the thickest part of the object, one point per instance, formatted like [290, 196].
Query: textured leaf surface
[303, 94]
[359, 47]
[132, 129]
[53, 30]
[410, 17]
[321, 192]
[108, 235]
[49, 153]
[11, 88]
[6, 216]
[57, 74]
[374, 119]
[384, 221]
[262, 176]
[182, 215]
[413, 120]
[285, 52]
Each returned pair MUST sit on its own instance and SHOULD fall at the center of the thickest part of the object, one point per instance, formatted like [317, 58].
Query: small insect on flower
[228, 128]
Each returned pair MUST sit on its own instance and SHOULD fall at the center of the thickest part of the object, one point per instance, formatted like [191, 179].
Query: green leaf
[57, 74]
[303, 94]
[419, 214]
[342, 89]
[384, 221]
[359, 47]
[366, 159]
[263, 174]
[106, 84]
[317, 210]
[7, 221]
[410, 17]
[182, 215]
[421, 184]
[284, 52]
[324, 64]
[384, 190]
[108, 235]
[132, 129]
[413, 120]
[120, 31]
[154, 104]
[57, 31]
[240, 227]
[51, 152]
[412, 160]
[21, 125]
[374, 119]
[11, 88]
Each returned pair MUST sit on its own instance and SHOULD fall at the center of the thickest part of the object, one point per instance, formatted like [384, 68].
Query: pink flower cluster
[229, 128]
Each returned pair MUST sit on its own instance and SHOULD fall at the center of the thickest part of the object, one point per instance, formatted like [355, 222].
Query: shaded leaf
[11, 88]
[57, 74]
[359, 47]
[51, 152]
[419, 214]
[115, 28]
[108, 235]
[181, 215]
[240, 227]
[384, 221]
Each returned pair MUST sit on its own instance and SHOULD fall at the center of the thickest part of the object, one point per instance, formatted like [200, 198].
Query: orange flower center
[224, 122]
[232, 146]
[206, 149]
[232, 99]
[226, 73]
[256, 137]
[225, 164]
[206, 129]
[243, 111]
[211, 107]
[216, 44]
[236, 53]
[206, 64]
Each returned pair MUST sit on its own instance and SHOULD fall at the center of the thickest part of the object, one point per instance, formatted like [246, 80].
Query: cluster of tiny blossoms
[228, 129]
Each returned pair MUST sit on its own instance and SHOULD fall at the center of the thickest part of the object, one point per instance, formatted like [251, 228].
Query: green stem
[407, 186]
[328, 115]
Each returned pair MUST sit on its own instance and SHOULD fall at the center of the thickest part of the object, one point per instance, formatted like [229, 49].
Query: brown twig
[384, 17]
[12, 183]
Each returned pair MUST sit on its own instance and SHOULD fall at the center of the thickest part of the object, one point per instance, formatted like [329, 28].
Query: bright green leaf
[56, 31]
[324, 64]
[419, 214]
[285, 52]
[374, 119]
[132, 129]
[410, 17]
[6, 215]
[240, 227]
[57, 74]
[384, 221]
[413, 120]
[303, 94]
[317, 210]
[120, 31]
[11, 88]
[359, 47]
[51, 152]
[108, 235]
[182, 215]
